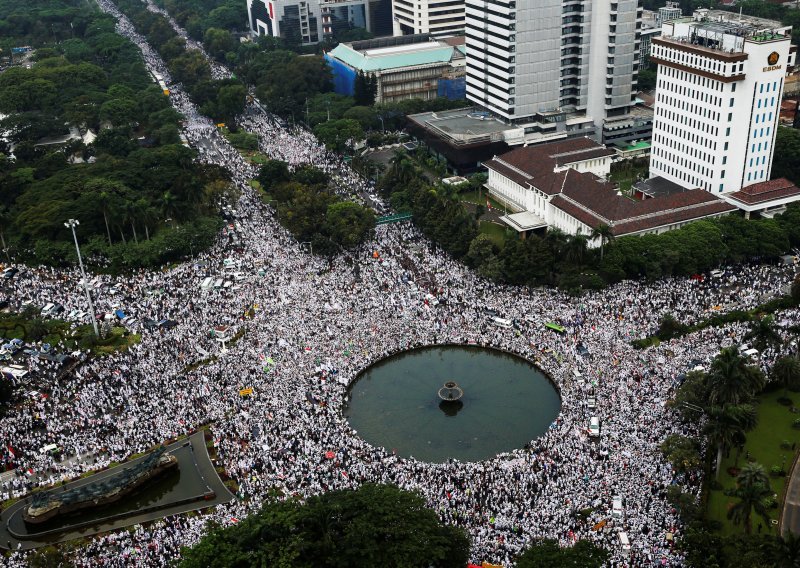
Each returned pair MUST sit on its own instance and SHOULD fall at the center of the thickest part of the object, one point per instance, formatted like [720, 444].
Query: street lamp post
[71, 224]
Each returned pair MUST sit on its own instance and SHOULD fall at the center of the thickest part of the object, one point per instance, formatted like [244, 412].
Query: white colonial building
[562, 185]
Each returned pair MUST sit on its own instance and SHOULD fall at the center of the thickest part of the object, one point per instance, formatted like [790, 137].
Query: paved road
[790, 520]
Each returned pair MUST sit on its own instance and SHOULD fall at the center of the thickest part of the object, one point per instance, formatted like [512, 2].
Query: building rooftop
[536, 165]
[464, 125]
[766, 191]
[595, 204]
[594, 201]
[657, 187]
[395, 52]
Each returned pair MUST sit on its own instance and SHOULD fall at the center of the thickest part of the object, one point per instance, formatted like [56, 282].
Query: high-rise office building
[544, 61]
[436, 17]
[307, 22]
[719, 86]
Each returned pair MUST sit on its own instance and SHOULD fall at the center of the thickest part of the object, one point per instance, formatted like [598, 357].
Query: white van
[218, 283]
[47, 309]
[594, 427]
[501, 322]
[616, 507]
[207, 283]
[624, 543]
[752, 353]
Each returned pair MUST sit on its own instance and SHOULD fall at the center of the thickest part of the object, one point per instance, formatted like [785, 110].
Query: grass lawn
[118, 340]
[764, 444]
[626, 176]
[496, 232]
[472, 197]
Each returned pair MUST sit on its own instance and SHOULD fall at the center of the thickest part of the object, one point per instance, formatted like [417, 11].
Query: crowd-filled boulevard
[309, 326]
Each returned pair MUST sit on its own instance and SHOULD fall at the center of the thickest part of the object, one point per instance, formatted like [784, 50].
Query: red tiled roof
[765, 191]
[595, 203]
[534, 165]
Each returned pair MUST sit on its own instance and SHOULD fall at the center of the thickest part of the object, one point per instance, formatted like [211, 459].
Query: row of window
[766, 104]
[764, 117]
[759, 160]
[687, 178]
[685, 105]
[760, 133]
[686, 163]
[693, 78]
[674, 143]
[754, 176]
[696, 61]
[687, 121]
[770, 87]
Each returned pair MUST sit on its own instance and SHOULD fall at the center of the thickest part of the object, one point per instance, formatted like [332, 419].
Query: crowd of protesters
[306, 327]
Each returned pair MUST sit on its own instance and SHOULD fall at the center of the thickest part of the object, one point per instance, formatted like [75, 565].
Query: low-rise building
[406, 67]
[562, 185]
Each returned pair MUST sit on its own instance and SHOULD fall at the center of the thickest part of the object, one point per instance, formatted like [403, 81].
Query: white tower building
[718, 95]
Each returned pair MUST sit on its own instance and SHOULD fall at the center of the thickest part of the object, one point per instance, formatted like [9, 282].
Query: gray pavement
[204, 468]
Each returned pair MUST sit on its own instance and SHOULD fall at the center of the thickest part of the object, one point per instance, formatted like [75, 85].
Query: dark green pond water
[507, 403]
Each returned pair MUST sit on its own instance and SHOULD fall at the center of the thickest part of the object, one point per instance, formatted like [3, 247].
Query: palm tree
[130, 215]
[605, 234]
[762, 333]
[786, 551]
[104, 201]
[786, 372]
[731, 380]
[726, 427]
[751, 474]
[169, 204]
[576, 247]
[752, 492]
[5, 220]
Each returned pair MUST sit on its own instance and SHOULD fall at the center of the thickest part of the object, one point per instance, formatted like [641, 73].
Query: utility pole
[71, 224]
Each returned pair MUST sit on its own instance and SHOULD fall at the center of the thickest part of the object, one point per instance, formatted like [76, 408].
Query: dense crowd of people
[308, 327]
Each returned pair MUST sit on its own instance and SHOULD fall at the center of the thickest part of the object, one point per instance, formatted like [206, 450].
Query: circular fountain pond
[505, 402]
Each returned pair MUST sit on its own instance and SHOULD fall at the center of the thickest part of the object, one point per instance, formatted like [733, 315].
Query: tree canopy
[375, 525]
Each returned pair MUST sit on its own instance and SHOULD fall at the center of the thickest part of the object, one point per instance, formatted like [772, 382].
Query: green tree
[231, 100]
[787, 147]
[348, 223]
[732, 380]
[375, 525]
[762, 333]
[605, 234]
[786, 372]
[682, 452]
[727, 426]
[752, 490]
[339, 135]
[786, 551]
[546, 553]
[271, 173]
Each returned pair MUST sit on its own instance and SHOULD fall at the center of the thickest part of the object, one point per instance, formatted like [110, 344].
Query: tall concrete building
[719, 86]
[308, 22]
[547, 63]
[435, 17]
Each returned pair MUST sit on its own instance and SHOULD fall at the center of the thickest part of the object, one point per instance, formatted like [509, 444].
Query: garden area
[54, 332]
[628, 172]
[772, 443]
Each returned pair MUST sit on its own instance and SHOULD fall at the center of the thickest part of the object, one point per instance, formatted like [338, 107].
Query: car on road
[594, 427]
